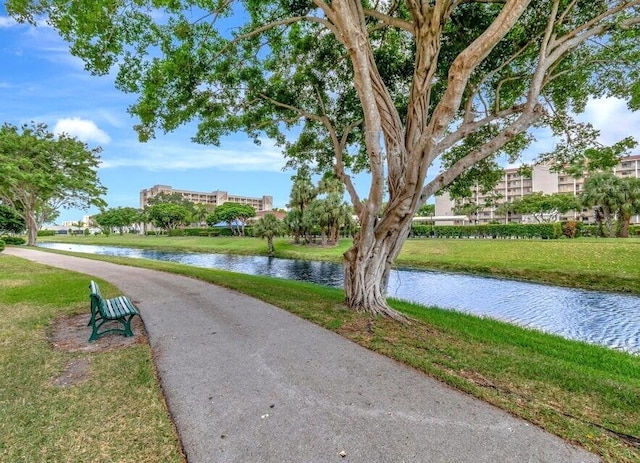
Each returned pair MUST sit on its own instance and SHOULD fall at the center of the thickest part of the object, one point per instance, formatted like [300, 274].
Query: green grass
[603, 264]
[116, 414]
[586, 394]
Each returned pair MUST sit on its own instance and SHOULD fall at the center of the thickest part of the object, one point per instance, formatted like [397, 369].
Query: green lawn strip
[602, 264]
[116, 414]
[583, 393]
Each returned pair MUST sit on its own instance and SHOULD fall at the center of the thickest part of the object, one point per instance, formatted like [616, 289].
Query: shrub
[1, 245]
[46, 232]
[571, 228]
[508, 230]
[13, 240]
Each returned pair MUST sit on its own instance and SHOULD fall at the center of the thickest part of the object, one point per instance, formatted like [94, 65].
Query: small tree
[269, 226]
[41, 173]
[602, 191]
[629, 203]
[543, 207]
[120, 218]
[234, 213]
[168, 216]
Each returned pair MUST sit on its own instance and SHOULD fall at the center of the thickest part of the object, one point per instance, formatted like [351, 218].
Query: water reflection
[608, 319]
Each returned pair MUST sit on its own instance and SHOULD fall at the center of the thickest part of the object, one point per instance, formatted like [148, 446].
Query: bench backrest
[97, 303]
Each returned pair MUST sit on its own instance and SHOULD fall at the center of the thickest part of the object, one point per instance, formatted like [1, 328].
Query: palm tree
[302, 194]
[269, 226]
[629, 203]
[603, 192]
[199, 215]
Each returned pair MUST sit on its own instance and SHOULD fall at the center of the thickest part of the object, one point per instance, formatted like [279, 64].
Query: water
[608, 319]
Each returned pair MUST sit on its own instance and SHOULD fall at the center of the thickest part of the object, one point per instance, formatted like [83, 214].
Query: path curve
[247, 382]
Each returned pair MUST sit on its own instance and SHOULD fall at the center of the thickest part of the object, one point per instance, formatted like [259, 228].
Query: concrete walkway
[247, 382]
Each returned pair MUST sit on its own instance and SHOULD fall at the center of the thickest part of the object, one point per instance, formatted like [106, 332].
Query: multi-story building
[214, 198]
[514, 185]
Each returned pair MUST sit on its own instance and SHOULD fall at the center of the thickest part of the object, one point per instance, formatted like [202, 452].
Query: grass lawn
[116, 414]
[586, 394]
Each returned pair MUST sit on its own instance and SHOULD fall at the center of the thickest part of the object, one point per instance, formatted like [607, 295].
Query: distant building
[214, 198]
[515, 186]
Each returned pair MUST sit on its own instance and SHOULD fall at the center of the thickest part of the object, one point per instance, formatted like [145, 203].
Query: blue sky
[40, 81]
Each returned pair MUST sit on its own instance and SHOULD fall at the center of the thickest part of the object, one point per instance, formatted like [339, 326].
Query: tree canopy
[234, 214]
[269, 226]
[543, 207]
[167, 216]
[41, 173]
[614, 201]
[11, 221]
[391, 87]
[119, 217]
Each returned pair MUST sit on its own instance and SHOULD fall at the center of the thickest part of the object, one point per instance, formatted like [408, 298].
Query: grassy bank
[116, 413]
[585, 394]
[603, 264]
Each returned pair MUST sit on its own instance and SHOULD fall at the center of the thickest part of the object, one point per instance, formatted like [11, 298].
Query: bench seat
[118, 309]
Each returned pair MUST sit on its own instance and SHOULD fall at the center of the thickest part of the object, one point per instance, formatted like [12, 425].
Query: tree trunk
[270, 246]
[367, 266]
[624, 225]
[32, 229]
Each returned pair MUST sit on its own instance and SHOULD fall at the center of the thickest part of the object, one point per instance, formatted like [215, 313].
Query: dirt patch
[75, 372]
[71, 334]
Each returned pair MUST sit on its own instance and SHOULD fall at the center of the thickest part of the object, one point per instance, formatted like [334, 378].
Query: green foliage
[1, 244]
[41, 172]
[167, 216]
[11, 221]
[269, 226]
[171, 198]
[46, 232]
[14, 240]
[510, 230]
[426, 210]
[120, 218]
[544, 207]
[614, 201]
[234, 214]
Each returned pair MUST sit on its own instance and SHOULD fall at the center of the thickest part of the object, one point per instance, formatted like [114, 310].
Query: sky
[41, 81]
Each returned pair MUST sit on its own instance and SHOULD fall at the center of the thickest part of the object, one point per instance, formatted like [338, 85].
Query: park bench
[118, 309]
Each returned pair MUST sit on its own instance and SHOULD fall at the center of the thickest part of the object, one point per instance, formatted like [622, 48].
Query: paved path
[247, 382]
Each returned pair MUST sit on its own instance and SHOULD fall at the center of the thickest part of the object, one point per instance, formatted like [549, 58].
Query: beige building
[214, 198]
[514, 186]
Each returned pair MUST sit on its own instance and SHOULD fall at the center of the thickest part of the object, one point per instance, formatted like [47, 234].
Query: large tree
[41, 172]
[392, 86]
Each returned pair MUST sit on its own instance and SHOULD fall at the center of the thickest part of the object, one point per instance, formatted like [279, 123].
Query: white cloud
[85, 130]
[612, 117]
[6, 22]
[232, 156]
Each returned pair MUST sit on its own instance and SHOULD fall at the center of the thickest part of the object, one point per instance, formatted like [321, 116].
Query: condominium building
[514, 185]
[214, 198]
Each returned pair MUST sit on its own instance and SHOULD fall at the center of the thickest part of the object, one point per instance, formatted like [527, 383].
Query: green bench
[119, 309]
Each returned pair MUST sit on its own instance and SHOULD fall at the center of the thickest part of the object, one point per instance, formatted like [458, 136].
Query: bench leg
[125, 330]
[127, 325]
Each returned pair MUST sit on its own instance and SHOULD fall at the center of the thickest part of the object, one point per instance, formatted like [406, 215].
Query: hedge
[13, 240]
[46, 232]
[1, 245]
[509, 230]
